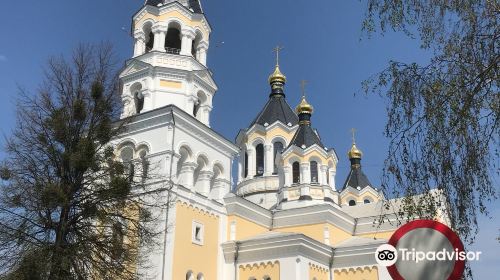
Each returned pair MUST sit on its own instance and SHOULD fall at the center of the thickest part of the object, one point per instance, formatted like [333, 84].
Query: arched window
[173, 39]
[136, 90]
[259, 159]
[194, 46]
[189, 275]
[352, 202]
[296, 172]
[366, 201]
[246, 165]
[266, 278]
[200, 276]
[314, 172]
[126, 155]
[196, 107]
[278, 148]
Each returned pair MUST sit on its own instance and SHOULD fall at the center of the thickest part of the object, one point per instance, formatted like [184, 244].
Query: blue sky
[322, 43]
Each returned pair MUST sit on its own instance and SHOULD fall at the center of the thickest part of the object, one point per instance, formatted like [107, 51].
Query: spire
[277, 79]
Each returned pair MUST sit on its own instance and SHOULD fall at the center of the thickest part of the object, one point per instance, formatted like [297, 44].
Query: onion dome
[304, 107]
[354, 152]
[356, 178]
[277, 76]
[305, 136]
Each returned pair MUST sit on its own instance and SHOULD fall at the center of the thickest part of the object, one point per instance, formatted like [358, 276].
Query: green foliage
[443, 117]
[62, 189]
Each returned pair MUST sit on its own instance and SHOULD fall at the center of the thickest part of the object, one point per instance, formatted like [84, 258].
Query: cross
[353, 131]
[277, 51]
[303, 84]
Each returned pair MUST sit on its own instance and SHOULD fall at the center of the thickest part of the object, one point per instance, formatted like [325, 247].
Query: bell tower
[169, 65]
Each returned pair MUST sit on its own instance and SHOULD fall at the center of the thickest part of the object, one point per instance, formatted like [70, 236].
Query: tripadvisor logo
[414, 250]
[387, 255]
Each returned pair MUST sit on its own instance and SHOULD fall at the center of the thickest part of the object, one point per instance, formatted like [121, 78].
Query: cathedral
[284, 215]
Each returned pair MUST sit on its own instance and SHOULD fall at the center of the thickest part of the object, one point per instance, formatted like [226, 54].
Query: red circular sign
[443, 229]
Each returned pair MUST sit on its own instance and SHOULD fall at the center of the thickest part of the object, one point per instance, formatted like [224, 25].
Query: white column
[322, 175]
[187, 41]
[331, 174]
[160, 32]
[268, 158]
[251, 162]
[241, 165]
[202, 52]
[304, 173]
[140, 43]
[288, 175]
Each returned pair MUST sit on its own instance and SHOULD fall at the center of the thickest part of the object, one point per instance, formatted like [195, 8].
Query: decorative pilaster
[202, 53]
[203, 183]
[186, 176]
[323, 174]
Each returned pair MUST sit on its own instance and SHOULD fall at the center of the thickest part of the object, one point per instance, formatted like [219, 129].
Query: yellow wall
[170, 84]
[316, 232]
[244, 228]
[271, 135]
[190, 256]
[358, 274]
[258, 271]
[383, 234]
[318, 273]
[173, 14]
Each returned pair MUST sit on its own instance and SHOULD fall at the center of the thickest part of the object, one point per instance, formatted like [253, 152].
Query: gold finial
[354, 152]
[277, 76]
[304, 107]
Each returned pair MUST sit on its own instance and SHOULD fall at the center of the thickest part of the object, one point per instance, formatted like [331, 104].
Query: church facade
[285, 216]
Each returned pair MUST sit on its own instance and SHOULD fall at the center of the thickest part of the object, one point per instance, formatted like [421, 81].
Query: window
[189, 275]
[266, 278]
[278, 148]
[246, 165]
[150, 41]
[352, 202]
[366, 201]
[200, 276]
[198, 232]
[314, 172]
[259, 159]
[296, 172]
[196, 107]
[126, 156]
[173, 39]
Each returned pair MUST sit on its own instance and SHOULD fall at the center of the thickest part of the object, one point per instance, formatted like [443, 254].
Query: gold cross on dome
[277, 50]
[303, 84]
[353, 131]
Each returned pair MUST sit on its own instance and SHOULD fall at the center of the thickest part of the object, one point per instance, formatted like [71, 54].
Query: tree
[70, 208]
[443, 117]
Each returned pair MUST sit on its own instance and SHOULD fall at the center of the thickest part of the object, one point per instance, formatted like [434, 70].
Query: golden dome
[277, 76]
[354, 152]
[304, 107]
